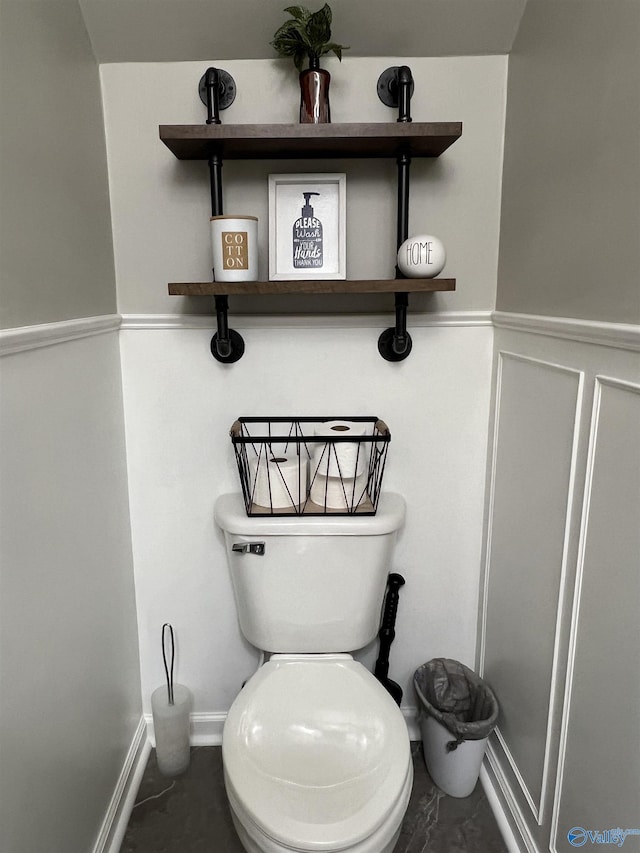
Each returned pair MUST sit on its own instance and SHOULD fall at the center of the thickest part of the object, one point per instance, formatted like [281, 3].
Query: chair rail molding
[620, 335]
[304, 321]
[25, 338]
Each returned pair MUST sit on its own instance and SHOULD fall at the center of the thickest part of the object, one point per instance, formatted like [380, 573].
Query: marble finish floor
[189, 814]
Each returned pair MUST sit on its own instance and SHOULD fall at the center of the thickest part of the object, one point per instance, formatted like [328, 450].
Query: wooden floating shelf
[401, 140]
[244, 288]
[293, 141]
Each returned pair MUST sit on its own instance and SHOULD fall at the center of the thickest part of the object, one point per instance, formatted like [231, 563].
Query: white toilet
[316, 753]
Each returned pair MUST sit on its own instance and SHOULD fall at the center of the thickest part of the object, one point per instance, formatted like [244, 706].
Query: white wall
[70, 700]
[180, 403]
[179, 407]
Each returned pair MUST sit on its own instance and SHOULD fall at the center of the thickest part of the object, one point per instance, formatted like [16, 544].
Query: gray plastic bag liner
[455, 696]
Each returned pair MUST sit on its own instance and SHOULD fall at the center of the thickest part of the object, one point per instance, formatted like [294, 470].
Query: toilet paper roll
[336, 493]
[343, 459]
[278, 482]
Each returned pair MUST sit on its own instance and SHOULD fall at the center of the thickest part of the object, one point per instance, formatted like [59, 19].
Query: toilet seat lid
[320, 725]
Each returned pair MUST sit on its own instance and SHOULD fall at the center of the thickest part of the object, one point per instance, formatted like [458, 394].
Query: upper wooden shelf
[292, 141]
[394, 285]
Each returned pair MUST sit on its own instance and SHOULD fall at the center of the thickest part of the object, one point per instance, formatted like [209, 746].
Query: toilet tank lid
[231, 516]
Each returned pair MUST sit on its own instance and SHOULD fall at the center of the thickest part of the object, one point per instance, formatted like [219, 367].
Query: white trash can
[458, 711]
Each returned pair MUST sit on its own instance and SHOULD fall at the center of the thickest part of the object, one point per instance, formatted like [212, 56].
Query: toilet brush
[171, 708]
[387, 635]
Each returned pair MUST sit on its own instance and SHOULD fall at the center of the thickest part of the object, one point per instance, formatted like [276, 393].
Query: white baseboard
[116, 819]
[206, 729]
[504, 806]
[506, 830]
[410, 715]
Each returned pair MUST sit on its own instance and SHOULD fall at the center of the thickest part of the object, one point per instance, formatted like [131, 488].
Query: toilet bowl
[317, 758]
[316, 753]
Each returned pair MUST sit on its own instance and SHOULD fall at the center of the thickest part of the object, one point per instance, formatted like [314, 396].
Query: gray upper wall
[571, 184]
[570, 221]
[218, 30]
[56, 249]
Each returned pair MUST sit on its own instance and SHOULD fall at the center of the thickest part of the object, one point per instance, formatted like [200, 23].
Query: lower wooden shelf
[393, 285]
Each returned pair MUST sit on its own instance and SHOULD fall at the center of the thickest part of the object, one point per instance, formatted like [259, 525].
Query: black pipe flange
[226, 88]
[232, 348]
[392, 348]
[389, 87]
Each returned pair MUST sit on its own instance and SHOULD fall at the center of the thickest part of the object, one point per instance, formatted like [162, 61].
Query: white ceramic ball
[423, 256]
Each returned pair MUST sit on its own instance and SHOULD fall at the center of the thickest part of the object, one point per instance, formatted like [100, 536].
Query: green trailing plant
[306, 35]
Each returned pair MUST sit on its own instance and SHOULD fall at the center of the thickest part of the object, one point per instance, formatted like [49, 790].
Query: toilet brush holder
[171, 707]
[171, 724]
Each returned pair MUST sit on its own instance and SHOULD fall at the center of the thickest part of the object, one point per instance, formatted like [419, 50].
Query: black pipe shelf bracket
[217, 90]
[395, 88]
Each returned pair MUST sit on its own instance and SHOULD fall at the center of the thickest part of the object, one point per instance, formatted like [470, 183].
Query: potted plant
[307, 35]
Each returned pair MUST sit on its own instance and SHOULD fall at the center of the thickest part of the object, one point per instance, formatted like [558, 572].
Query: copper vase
[314, 96]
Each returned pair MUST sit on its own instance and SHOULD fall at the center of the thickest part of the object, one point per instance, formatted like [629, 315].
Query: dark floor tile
[437, 823]
[190, 814]
[187, 814]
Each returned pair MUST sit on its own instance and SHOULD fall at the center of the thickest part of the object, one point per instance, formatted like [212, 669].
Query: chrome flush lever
[249, 547]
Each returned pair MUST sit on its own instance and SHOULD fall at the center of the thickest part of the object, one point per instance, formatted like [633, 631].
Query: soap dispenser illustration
[307, 237]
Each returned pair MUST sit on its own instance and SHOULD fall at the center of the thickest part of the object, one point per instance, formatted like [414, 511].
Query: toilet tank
[313, 584]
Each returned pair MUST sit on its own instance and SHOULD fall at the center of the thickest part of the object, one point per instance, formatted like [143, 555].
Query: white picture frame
[307, 227]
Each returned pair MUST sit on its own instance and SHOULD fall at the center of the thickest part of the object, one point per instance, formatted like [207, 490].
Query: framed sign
[307, 227]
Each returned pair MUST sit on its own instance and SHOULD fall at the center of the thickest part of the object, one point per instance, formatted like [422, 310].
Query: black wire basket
[310, 465]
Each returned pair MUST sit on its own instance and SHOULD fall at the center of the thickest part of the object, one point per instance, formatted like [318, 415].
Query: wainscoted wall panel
[70, 698]
[560, 590]
[600, 740]
[534, 447]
